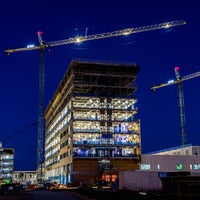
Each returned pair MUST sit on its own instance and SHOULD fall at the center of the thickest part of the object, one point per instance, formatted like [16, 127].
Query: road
[44, 195]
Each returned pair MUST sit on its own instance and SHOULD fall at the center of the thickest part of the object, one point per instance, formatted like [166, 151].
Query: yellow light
[167, 25]
[126, 33]
[78, 40]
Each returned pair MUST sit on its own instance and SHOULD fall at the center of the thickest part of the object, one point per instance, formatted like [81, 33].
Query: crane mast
[43, 45]
[181, 106]
[41, 121]
[179, 82]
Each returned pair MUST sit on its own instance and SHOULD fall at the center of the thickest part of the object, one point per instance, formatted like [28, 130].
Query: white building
[25, 177]
[170, 163]
[180, 150]
[178, 160]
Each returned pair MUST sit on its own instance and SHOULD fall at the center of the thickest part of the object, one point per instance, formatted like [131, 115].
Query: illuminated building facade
[6, 165]
[91, 130]
[25, 177]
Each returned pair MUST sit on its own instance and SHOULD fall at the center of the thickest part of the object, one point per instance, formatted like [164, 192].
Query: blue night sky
[156, 52]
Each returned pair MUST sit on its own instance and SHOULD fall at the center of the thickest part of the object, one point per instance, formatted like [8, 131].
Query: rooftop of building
[173, 148]
[94, 66]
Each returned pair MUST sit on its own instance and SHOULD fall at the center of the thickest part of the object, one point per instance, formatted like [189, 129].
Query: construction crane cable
[19, 132]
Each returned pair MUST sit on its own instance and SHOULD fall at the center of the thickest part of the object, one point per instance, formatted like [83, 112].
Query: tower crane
[43, 45]
[179, 82]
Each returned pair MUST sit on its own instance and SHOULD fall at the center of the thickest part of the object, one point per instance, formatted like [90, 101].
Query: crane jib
[126, 31]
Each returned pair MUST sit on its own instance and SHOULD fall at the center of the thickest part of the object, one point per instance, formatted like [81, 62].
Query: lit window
[196, 167]
[179, 167]
[145, 166]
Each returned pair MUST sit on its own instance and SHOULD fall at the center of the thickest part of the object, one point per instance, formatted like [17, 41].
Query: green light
[6, 181]
[179, 167]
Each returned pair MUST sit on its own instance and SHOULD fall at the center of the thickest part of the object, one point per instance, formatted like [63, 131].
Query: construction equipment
[179, 82]
[43, 45]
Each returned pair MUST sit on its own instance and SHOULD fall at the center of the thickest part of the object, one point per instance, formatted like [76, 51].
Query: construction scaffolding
[92, 119]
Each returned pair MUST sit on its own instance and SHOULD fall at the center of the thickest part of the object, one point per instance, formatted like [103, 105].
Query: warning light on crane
[40, 37]
[177, 68]
[40, 32]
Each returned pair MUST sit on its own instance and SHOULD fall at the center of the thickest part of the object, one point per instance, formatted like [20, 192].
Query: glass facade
[6, 165]
[102, 128]
[91, 117]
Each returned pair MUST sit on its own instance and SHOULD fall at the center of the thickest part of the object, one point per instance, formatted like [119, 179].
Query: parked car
[10, 188]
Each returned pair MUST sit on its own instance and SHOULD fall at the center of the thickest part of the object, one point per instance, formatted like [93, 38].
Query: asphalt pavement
[41, 195]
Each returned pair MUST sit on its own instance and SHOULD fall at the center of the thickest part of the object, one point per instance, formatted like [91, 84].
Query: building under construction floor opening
[91, 130]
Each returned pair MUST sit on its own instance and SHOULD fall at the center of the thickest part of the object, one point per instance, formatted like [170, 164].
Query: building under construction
[91, 130]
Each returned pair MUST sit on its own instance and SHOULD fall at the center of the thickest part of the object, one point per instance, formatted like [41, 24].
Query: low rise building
[25, 177]
[170, 163]
[6, 164]
[188, 149]
[157, 168]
